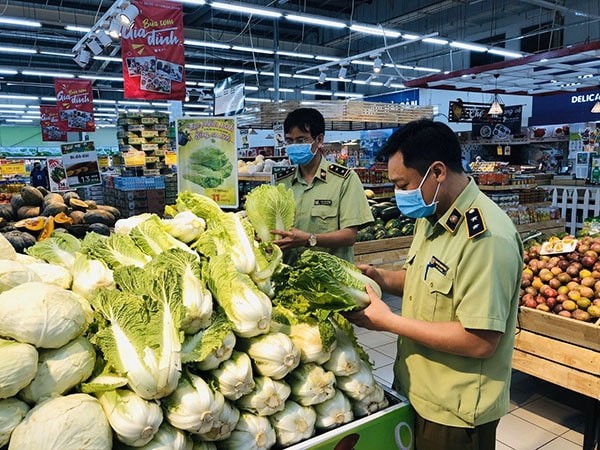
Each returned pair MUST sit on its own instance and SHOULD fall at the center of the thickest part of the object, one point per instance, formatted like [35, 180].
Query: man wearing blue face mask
[330, 201]
[460, 292]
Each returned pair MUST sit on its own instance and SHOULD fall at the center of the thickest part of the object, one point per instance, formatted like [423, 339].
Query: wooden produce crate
[559, 350]
[387, 253]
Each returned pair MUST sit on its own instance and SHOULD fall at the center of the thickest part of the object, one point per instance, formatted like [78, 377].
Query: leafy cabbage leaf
[270, 208]
[115, 250]
[59, 249]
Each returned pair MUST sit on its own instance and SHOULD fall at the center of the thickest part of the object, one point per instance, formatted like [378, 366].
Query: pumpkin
[77, 204]
[62, 220]
[53, 209]
[99, 216]
[52, 198]
[33, 224]
[6, 212]
[16, 201]
[91, 204]
[78, 230]
[20, 240]
[111, 209]
[69, 195]
[31, 196]
[77, 216]
[99, 228]
[48, 229]
[43, 190]
[26, 212]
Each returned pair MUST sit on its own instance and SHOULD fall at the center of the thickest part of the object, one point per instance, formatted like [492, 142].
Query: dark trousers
[433, 436]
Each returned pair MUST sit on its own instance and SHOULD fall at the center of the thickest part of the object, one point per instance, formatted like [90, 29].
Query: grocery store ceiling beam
[565, 9]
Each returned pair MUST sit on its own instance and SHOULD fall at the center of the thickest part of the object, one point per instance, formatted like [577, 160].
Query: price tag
[170, 158]
[103, 161]
[135, 158]
[11, 168]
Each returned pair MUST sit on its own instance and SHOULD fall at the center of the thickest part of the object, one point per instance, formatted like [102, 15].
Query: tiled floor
[542, 416]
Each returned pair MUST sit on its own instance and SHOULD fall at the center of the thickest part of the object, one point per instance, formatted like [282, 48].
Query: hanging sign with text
[49, 121]
[74, 101]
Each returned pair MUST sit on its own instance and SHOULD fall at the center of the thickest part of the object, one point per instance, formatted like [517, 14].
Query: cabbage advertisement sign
[207, 158]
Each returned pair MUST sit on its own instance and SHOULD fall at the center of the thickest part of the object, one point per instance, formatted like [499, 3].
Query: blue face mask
[411, 203]
[300, 153]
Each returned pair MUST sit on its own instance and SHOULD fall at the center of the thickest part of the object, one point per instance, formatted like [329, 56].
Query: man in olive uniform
[460, 292]
[330, 201]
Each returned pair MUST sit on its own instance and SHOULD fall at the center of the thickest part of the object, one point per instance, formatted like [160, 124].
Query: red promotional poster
[49, 122]
[153, 52]
[74, 101]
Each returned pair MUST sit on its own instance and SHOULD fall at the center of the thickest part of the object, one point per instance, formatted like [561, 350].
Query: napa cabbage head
[140, 339]
[59, 249]
[152, 239]
[185, 226]
[12, 412]
[210, 347]
[270, 208]
[52, 274]
[115, 250]
[18, 366]
[13, 274]
[201, 205]
[268, 261]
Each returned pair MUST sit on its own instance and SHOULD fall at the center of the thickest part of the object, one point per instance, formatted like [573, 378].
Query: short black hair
[422, 142]
[307, 120]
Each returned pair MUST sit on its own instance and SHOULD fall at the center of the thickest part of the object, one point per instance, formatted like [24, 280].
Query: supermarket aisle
[543, 416]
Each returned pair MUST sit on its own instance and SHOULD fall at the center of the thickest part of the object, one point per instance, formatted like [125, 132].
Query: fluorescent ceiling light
[241, 48]
[202, 106]
[251, 88]
[11, 111]
[205, 44]
[107, 58]
[33, 106]
[376, 31]
[105, 109]
[20, 22]
[190, 83]
[192, 2]
[506, 53]
[236, 7]
[272, 74]
[309, 92]
[347, 94]
[10, 105]
[19, 120]
[8, 72]
[37, 73]
[202, 67]
[129, 102]
[397, 85]
[78, 28]
[436, 41]
[426, 69]
[100, 77]
[203, 84]
[467, 46]
[281, 89]
[367, 81]
[23, 50]
[296, 55]
[48, 99]
[258, 100]
[246, 71]
[59, 54]
[311, 20]
[409, 36]
[339, 80]
[376, 83]
[327, 58]
[305, 77]
[161, 105]
[362, 62]
[399, 66]
[99, 114]
[111, 102]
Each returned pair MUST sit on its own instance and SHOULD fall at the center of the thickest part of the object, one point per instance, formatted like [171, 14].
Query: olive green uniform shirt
[465, 267]
[334, 200]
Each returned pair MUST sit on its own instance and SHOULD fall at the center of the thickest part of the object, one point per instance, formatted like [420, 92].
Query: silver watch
[312, 240]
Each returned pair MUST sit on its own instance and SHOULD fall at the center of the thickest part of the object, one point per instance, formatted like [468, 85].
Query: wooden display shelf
[506, 187]
[391, 253]
[255, 178]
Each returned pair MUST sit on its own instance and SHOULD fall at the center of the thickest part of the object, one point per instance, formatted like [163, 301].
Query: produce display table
[565, 352]
[390, 253]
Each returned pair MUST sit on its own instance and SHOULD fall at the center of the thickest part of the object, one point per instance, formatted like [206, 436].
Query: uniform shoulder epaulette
[285, 173]
[338, 170]
[475, 223]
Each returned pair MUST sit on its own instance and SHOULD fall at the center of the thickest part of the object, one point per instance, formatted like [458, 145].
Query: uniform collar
[321, 173]
[452, 218]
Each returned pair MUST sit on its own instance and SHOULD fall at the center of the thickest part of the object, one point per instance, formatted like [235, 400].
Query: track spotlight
[388, 83]
[114, 30]
[343, 72]
[322, 77]
[128, 14]
[94, 46]
[377, 64]
[82, 58]
[369, 79]
[103, 37]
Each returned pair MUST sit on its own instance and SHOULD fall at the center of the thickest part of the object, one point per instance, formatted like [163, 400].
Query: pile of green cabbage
[175, 333]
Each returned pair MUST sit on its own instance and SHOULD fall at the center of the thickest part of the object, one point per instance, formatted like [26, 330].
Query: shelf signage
[50, 123]
[74, 102]
[207, 158]
[80, 164]
[153, 53]
[134, 158]
[170, 158]
[502, 129]
[10, 168]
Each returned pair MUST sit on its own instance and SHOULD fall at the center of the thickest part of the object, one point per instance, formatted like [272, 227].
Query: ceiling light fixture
[241, 48]
[295, 54]
[194, 43]
[36, 73]
[436, 41]
[114, 29]
[507, 53]
[94, 46]
[104, 38]
[467, 46]
[309, 92]
[128, 13]
[202, 67]
[59, 54]
[23, 50]
[377, 64]
[8, 72]
[107, 58]
[77, 28]
[369, 78]
[347, 94]
[312, 20]
[20, 22]
[388, 83]
[343, 72]
[236, 7]
[495, 107]
[322, 77]
[375, 31]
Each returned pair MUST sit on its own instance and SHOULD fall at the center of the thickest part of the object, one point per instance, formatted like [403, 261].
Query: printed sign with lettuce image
[208, 166]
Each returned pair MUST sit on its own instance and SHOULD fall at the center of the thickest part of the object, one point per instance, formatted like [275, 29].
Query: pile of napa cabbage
[179, 333]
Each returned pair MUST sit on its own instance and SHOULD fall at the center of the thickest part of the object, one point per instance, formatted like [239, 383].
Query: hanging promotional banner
[229, 95]
[74, 101]
[505, 127]
[153, 53]
[49, 121]
[80, 163]
[207, 158]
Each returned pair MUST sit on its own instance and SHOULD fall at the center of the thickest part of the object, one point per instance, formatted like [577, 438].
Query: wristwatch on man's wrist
[312, 240]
